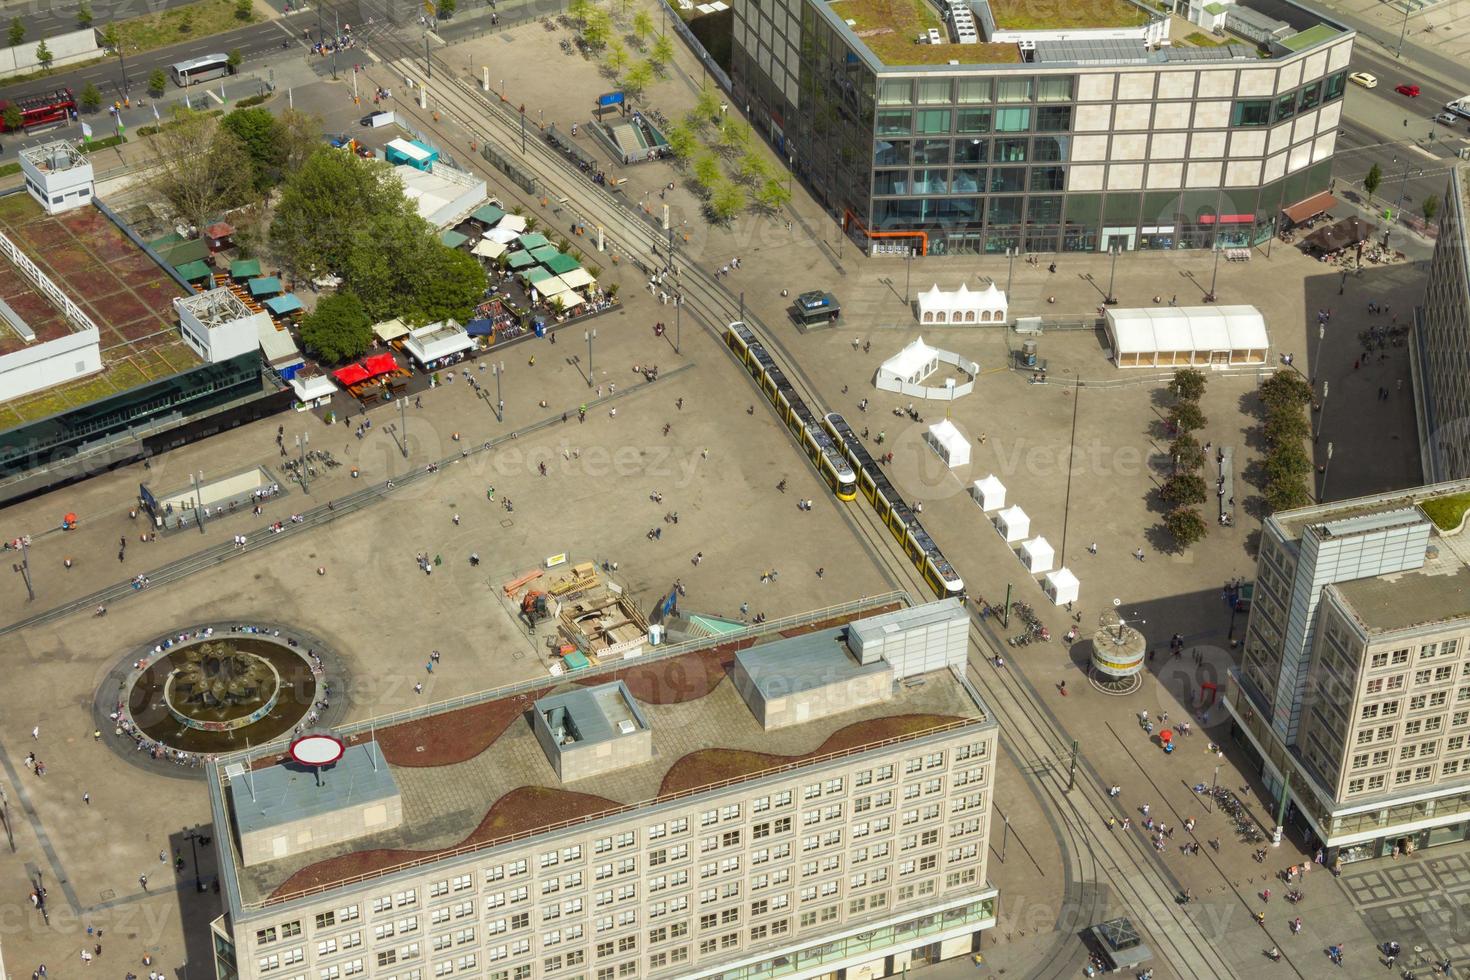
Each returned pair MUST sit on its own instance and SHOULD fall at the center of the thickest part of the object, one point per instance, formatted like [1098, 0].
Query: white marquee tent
[964, 305]
[1037, 555]
[1061, 585]
[1013, 524]
[909, 366]
[1173, 336]
[949, 443]
[989, 493]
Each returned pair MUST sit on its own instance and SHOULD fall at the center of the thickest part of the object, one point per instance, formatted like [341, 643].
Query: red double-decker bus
[39, 110]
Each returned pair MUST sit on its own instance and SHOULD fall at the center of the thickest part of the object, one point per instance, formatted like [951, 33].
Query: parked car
[1412, 91]
[1448, 118]
[1364, 79]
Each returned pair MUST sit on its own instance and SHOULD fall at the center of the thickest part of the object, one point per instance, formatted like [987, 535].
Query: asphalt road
[253, 41]
[52, 17]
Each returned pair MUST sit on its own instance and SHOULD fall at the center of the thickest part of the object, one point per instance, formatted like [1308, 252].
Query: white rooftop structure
[442, 196]
[276, 345]
[989, 493]
[437, 340]
[963, 305]
[313, 391]
[949, 442]
[58, 175]
[218, 324]
[1061, 585]
[1173, 336]
[1038, 555]
[1013, 524]
[907, 371]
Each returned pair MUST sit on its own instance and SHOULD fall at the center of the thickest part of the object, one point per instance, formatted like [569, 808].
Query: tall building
[799, 807]
[965, 126]
[1440, 352]
[1353, 695]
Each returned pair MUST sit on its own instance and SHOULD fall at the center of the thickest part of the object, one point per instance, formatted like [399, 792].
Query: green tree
[596, 29]
[1187, 417]
[707, 171]
[773, 195]
[446, 9]
[84, 14]
[1183, 489]
[91, 97]
[261, 135]
[1430, 207]
[157, 81]
[578, 10]
[752, 168]
[44, 55]
[1287, 462]
[234, 59]
[707, 105]
[728, 201]
[1186, 453]
[733, 136]
[1287, 494]
[203, 168]
[17, 31]
[642, 26]
[1286, 426]
[683, 141]
[12, 117]
[637, 78]
[1185, 526]
[325, 205]
[339, 328]
[1285, 388]
[617, 58]
[300, 134]
[1188, 384]
[244, 9]
[1372, 179]
[110, 37]
[450, 285]
[662, 52]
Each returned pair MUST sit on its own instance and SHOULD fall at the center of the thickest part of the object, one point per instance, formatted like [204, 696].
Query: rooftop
[1047, 15]
[1437, 593]
[1291, 523]
[890, 29]
[125, 293]
[476, 775]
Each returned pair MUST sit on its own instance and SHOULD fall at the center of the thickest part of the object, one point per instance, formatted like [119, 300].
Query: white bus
[1460, 106]
[200, 69]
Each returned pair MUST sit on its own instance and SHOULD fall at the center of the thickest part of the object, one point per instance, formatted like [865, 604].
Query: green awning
[536, 274]
[166, 241]
[562, 263]
[281, 305]
[244, 268]
[488, 214]
[544, 253]
[519, 260]
[180, 252]
[194, 271]
[265, 286]
[453, 238]
[532, 239]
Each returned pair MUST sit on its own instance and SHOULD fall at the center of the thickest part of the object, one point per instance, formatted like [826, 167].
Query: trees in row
[1285, 397]
[1185, 488]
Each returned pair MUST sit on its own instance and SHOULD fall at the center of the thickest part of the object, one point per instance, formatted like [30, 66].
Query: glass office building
[1060, 136]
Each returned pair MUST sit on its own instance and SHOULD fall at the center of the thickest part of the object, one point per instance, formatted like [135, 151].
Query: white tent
[1013, 524]
[1173, 336]
[909, 366]
[485, 248]
[390, 330]
[501, 236]
[512, 222]
[570, 299]
[1061, 585]
[578, 278]
[986, 305]
[949, 443]
[1037, 555]
[989, 493]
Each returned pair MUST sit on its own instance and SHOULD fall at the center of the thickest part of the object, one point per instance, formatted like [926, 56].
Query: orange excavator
[534, 608]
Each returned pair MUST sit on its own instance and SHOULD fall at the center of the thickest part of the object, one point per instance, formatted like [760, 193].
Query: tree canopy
[339, 328]
[204, 169]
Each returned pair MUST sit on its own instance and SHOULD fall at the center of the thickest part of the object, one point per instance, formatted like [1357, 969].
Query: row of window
[1268, 112]
[890, 123]
[1427, 651]
[974, 91]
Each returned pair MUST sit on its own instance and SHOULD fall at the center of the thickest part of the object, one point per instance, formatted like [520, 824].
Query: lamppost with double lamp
[1321, 411]
[403, 426]
[1316, 355]
[1113, 249]
[193, 837]
[1215, 269]
[589, 336]
[198, 478]
[1010, 267]
[1322, 490]
[301, 443]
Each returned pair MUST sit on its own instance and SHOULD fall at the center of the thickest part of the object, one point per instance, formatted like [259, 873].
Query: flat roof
[890, 29]
[474, 776]
[1315, 34]
[1437, 593]
[1044, 15]
[1292, 522]
[288, 793]
[804, 663]
[123, 290]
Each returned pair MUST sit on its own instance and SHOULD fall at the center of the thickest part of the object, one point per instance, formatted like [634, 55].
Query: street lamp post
[589, 336]
[198, 478]
[1113, 249]
[1010, 267]
[1317, 354]
[1215, 270]
[403, 426]
[25, 567]
[1321, 411]
[193, 836]
[678, 319]
[908, 269]
[498, 370]
[301, 443]
[1403, 31]
[1322, 491]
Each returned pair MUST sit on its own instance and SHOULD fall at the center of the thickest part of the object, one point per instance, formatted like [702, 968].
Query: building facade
[1353, 694]
[869, 859]
[1057, 136]
[1440, 351]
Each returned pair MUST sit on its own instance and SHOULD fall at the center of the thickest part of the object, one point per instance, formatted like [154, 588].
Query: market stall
[1173, 336]
[1037, 555]
[1013, 524]
[963, 305]
[312, 392]
[989, 493]
[949, 443]
[1061, 586]
[434, 345]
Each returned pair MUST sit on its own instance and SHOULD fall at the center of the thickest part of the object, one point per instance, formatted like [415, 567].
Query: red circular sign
[317, 750]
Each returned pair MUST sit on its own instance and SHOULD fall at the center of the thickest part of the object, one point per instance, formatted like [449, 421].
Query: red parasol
[70, 518]
[1166, 736]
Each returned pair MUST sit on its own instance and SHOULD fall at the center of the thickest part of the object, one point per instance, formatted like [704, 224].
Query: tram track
[1034, 738]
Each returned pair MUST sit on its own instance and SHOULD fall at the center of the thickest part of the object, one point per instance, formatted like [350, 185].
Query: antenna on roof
[373, 744]
[249, 768]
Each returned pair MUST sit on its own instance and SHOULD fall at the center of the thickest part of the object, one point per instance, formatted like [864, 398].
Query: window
[1285, 107]
[895, 92]
[1012, 120]
[1013, 90]
[973, 121]
[892, 122]
[1311, 96]
[1054, 119]
[1335, 85]
[973, 91]
[935, 91]
[1251, 112]
[932, 121]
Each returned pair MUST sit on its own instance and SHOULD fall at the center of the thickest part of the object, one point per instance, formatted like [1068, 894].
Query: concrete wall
[66, 49]
[43, 365]
[348, 823]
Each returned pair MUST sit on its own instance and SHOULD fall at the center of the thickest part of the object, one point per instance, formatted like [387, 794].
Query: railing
[437, 856]
[43, 282]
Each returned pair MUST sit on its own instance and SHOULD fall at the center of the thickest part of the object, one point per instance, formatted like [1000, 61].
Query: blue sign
[610, 98]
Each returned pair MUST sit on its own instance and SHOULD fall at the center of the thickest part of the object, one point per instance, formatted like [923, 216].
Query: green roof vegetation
[1215, 8]
[890, 29]
[1038, 15]
[1446, 512]
[1310, 37]
[1201, 40]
